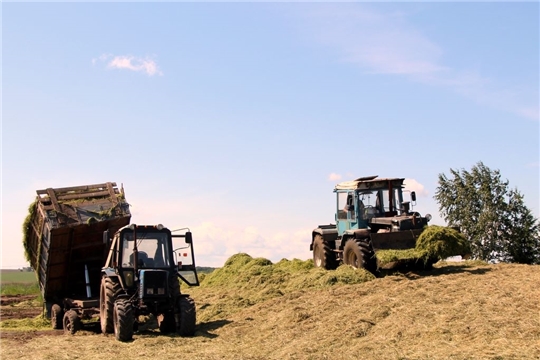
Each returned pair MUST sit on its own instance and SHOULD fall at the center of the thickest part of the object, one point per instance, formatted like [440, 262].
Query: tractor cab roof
[369, 183]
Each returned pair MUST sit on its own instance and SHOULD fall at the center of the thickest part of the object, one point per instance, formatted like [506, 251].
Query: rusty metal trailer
[64, 245]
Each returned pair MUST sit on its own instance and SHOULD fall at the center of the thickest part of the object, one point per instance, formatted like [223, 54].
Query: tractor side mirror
[189, 238]
[106, 237]
[413, 196]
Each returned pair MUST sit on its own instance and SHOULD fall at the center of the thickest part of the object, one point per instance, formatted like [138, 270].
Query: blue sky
[237, 119]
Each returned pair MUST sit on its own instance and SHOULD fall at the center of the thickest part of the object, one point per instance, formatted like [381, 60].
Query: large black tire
[57, 317]
[123, 319]
[358, 254]
[108, 292]
[72, 322]
[186, 316]
[323, 256]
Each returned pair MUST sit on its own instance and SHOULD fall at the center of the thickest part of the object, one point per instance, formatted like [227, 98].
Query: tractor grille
[154, 283]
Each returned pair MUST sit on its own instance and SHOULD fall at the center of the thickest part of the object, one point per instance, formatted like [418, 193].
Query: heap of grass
[244, 281]
[434, 243]
[440, 242]
[27, 232]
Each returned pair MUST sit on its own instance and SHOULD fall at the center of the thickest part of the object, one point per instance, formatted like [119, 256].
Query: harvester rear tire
[109, 291]
[57, 317]
[72, 322]
[358, 254]
[123, 319]
[323, 256]
[187, 316]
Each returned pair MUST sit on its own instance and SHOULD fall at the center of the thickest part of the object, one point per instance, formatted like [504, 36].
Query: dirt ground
[10, 308]
[14, 307]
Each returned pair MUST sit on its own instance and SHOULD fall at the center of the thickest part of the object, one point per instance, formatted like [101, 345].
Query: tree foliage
[493, 217]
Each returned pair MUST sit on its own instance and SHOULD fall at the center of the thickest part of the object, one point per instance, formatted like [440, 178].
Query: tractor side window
[342, 206]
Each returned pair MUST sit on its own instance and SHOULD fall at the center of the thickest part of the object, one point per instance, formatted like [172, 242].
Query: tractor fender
[109, 272]
[328, 232]
[354, 234]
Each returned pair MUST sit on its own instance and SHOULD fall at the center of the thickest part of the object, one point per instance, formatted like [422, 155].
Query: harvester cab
[371, 215]
[141, 277]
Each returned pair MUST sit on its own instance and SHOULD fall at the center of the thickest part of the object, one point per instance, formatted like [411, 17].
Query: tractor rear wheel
[108, 292]
[323, 255]
[186, 317]
[72, 322]
[57, 317]
[123, 319]
[358, 254]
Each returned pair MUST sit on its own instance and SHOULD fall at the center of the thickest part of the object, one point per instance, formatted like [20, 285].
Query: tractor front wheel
[109, 290]
[359, 255]
[123, 320]
[186, 316]
[323, 256]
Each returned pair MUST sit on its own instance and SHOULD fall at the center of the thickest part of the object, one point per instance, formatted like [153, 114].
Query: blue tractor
[371, 215]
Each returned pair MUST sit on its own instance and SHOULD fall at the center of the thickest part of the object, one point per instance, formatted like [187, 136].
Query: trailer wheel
[186, 318]
[358, 254]
[57, 317]
[323, 256]
[123, 320]
[72, 322]
[109, 290]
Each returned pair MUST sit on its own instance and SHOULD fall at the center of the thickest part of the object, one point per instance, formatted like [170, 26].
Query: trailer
[63, 241]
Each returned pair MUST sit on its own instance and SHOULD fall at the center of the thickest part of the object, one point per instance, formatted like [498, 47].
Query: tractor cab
[362, 202]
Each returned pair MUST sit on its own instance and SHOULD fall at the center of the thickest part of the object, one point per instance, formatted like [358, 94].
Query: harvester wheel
[123, 319]
[72, 322]
[108, 292]
[358, 254]
[186, 318]
[323, 256]
[57, 317]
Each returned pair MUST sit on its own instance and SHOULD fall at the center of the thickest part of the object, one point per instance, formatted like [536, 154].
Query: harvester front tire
[187, 316]
[358, 254]
[323, 256]
[108, 292]
[72, 322]
[123, 319]
[57, 317]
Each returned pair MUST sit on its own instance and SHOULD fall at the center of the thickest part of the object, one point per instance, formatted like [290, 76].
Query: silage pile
[244, 281]
[434, 243]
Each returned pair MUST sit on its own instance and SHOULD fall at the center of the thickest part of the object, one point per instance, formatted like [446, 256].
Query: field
[253, 309]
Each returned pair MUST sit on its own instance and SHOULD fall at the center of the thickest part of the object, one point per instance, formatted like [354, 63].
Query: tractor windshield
[152, 250]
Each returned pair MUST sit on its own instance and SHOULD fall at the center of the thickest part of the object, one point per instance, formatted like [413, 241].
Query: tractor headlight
[428, 217]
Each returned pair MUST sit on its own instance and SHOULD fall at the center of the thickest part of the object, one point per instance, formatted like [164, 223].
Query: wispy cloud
[413, 185]
[129, 62]
[387, 43]
[334, 177]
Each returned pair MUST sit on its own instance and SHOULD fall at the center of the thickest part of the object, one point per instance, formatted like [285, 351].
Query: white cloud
[386, 43]
[214, 243]
[413, 185]
[129, 62]
[334, 177]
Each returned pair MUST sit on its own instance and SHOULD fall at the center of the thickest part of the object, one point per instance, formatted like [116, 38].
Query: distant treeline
[205, 269]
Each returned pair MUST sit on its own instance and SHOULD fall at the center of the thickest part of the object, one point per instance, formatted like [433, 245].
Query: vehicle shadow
[202, 330]
[416, 271]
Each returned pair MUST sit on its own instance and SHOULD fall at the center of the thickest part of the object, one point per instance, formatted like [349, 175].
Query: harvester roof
[369, 183]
